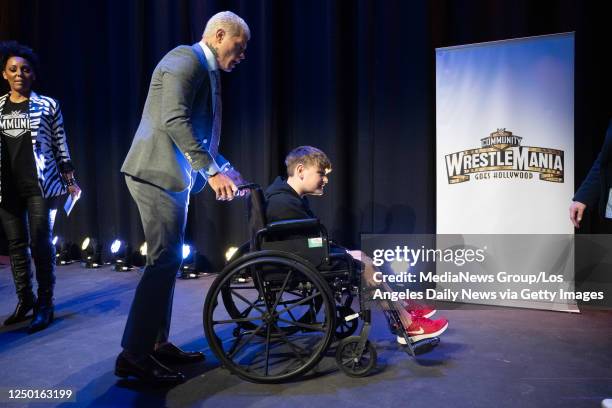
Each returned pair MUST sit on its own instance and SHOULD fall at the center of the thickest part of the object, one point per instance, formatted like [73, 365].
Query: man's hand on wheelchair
[223, 186]
[236, 177]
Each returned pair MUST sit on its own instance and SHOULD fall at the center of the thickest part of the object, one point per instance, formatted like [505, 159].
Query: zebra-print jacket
[49, 145]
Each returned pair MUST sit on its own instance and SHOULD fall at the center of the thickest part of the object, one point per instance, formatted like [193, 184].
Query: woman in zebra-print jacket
[35, 169]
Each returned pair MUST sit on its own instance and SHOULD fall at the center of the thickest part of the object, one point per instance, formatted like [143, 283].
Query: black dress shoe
[169, 353]
[24, 305]
[146, 368]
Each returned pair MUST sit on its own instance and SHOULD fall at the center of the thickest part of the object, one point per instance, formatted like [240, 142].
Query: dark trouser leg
[43, 251]
[13, 218]
[163, 215]
[15, 226]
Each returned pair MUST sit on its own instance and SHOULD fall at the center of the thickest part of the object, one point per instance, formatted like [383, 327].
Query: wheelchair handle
[248, 186]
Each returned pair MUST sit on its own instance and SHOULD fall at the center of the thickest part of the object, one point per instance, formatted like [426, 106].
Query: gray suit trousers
[163, 215]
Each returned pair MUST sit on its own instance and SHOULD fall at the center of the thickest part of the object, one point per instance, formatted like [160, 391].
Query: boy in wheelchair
[307, 174]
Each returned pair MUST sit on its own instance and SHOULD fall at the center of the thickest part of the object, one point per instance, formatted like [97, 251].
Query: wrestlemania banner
[505, 153]
[502, 156]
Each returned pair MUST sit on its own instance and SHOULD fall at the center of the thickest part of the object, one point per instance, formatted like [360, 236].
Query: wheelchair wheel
[302, 315]
[280, 324]
[353, 362]
[345, 328]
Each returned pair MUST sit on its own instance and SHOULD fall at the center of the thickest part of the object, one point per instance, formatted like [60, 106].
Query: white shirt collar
[210, 57]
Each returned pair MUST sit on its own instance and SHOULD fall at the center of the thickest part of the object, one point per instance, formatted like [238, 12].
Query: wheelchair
[283, 299]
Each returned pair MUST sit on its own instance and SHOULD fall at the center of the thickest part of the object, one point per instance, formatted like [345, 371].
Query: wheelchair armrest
[292, 225]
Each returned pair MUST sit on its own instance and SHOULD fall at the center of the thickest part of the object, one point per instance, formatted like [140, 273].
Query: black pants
[28, 223]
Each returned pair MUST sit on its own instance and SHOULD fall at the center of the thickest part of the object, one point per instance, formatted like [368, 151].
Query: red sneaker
[419, 310]
[423, 328]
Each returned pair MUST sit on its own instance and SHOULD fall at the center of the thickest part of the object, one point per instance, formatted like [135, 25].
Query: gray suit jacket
[171, 146]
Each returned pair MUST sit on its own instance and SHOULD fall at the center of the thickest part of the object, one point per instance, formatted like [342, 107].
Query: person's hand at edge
[576, 211]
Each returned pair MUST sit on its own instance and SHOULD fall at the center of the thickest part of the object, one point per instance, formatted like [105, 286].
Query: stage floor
[492, 357]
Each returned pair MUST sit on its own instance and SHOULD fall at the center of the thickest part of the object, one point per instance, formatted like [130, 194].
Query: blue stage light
[138, 258]
[115, 246]
[186, 251]
[188, 269]
[121, 255]
[65, 252]
[90, 253]
[229, 254]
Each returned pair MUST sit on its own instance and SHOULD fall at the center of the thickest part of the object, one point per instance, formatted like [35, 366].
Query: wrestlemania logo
[501, 156]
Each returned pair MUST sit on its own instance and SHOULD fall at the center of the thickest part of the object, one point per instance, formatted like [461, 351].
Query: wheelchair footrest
[422, 346]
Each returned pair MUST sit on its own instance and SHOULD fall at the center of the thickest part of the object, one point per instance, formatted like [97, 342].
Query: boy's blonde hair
[308, 156]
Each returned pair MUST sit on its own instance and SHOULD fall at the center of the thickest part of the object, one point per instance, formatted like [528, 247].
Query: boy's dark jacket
[283, 203]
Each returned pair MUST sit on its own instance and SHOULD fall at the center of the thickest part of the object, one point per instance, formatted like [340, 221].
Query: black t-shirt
[18, 167]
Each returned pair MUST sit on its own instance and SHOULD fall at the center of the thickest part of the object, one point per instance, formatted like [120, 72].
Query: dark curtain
[355, 78]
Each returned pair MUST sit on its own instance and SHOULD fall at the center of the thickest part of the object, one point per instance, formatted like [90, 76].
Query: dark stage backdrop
[355, 78]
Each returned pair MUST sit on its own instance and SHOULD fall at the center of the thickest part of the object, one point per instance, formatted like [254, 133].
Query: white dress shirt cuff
[212, 169]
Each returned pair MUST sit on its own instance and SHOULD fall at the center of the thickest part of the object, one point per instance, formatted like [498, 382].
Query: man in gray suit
[174, 153]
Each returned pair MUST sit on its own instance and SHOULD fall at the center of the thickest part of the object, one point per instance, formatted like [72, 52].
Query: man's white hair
[230, 22]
